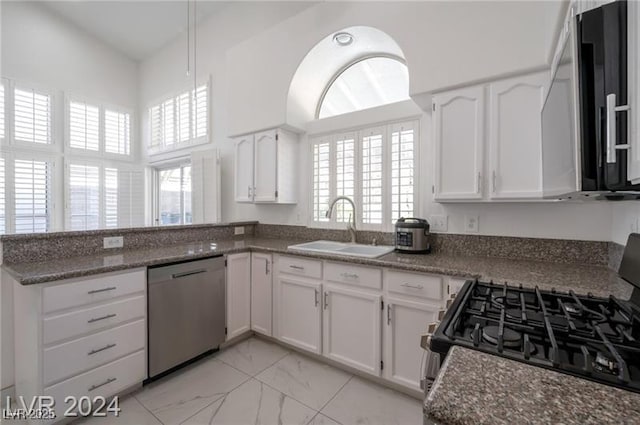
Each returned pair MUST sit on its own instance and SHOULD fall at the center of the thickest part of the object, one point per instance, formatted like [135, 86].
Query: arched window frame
[345, 68]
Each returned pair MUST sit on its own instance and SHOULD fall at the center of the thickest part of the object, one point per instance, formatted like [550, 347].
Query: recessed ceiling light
[343, 38]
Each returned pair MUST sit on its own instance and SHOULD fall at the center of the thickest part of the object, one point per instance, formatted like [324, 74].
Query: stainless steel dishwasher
[186, 312]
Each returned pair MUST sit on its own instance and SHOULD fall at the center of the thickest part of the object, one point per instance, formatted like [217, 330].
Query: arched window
[365, 84]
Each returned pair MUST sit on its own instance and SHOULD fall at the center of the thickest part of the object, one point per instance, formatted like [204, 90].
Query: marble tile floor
[258, 382]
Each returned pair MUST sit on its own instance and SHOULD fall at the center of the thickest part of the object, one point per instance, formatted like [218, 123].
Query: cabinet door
[299, 312]
[261, 293]
[244, 169]
[351, 332]
[405, 322]
[459, 138]
[238, 294]
[515, 137]
[266, 166]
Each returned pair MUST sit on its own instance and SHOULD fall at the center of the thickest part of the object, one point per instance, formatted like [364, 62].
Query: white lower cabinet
[238, 294]
[261, 292]
[351, 332]
[405, 321]
[80, 337]
[299, 312]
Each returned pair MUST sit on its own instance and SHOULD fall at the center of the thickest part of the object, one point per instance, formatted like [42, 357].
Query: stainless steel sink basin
[354, 250]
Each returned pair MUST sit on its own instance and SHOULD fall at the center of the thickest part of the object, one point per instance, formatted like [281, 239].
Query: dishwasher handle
[189, 273]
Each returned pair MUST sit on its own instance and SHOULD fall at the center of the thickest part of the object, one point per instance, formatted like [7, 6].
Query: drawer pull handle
[108, 381]
[350, 275]
[296, 267]
[408, 285]
[106, 347]
[189, 273]
[388, 314]
[95, 291]
[97, 319]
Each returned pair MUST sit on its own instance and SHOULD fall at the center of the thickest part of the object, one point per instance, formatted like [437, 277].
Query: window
[84, 126]
[104, 196]
[94, 128]
[117, 130]
[32, 116]
[174, 195]
[381, 181]
[32, 193]
[366, 84]
[182, 119]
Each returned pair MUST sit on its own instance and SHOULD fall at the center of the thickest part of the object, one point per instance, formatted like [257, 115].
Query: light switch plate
[471, 224]
[438, 223]
[113, 242]
[239, 230]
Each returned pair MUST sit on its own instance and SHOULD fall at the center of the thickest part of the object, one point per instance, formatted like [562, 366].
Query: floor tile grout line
[145, 407]
[223, 398]
[292, 398]
[334, 396]
[260, 371]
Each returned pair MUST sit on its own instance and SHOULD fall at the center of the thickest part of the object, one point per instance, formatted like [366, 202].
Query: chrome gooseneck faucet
[351, 225]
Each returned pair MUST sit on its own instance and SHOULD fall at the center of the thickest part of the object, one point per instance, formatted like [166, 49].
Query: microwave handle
[611, 129]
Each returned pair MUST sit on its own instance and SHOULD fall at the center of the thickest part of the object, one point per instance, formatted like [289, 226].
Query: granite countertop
[598, 280]
[478, 388]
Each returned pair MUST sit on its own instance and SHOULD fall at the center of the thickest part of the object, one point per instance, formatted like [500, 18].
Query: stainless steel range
[590, 337]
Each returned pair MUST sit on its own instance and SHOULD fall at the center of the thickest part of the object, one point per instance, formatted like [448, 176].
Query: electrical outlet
[113, 242]
[438, 223]
[239, 230]
[471, 223]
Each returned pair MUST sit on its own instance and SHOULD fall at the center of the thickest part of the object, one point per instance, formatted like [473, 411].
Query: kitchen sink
[354, 250]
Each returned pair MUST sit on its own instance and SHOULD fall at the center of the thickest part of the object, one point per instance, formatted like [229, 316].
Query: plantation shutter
[168, 122]
[111, 195]
[155, 119]
[372, 175]
[84, 197]
[3, 214]
[199, 112]
[84, 126]
[131, 198]
[321, 180]
[402, 170]
[205, 181]
[184, 117]
[32, 195]
[2, 111]
[117, 132]
[32, 116]
[345, 175]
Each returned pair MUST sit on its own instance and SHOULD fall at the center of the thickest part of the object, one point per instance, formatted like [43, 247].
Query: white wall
[40, 48]
[445, 44]
[625, 219]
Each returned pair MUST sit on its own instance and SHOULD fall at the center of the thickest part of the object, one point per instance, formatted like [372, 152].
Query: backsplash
[553, 250]
[47, 246]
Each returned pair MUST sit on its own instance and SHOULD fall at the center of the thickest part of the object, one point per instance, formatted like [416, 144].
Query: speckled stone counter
[598, 280]
[477, 388]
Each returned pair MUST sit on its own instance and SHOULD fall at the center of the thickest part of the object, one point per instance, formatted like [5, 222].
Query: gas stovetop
[594, 338]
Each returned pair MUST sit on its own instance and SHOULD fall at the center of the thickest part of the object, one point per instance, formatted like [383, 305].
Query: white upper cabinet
[515, 137]
[506, 124]
[266, 167]
[244, 168]
[458, 119]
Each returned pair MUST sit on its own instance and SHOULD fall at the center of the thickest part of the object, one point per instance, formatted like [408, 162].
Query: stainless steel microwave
[584, 118]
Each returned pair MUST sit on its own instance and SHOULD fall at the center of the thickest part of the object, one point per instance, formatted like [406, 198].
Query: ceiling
[136, 28]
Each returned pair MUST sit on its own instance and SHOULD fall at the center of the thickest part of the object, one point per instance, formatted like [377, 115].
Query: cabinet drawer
[92, 290]
[300, 266]
[93, 319]
[104, 381]
[415, 285]
[65, 360]
[353, 275]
